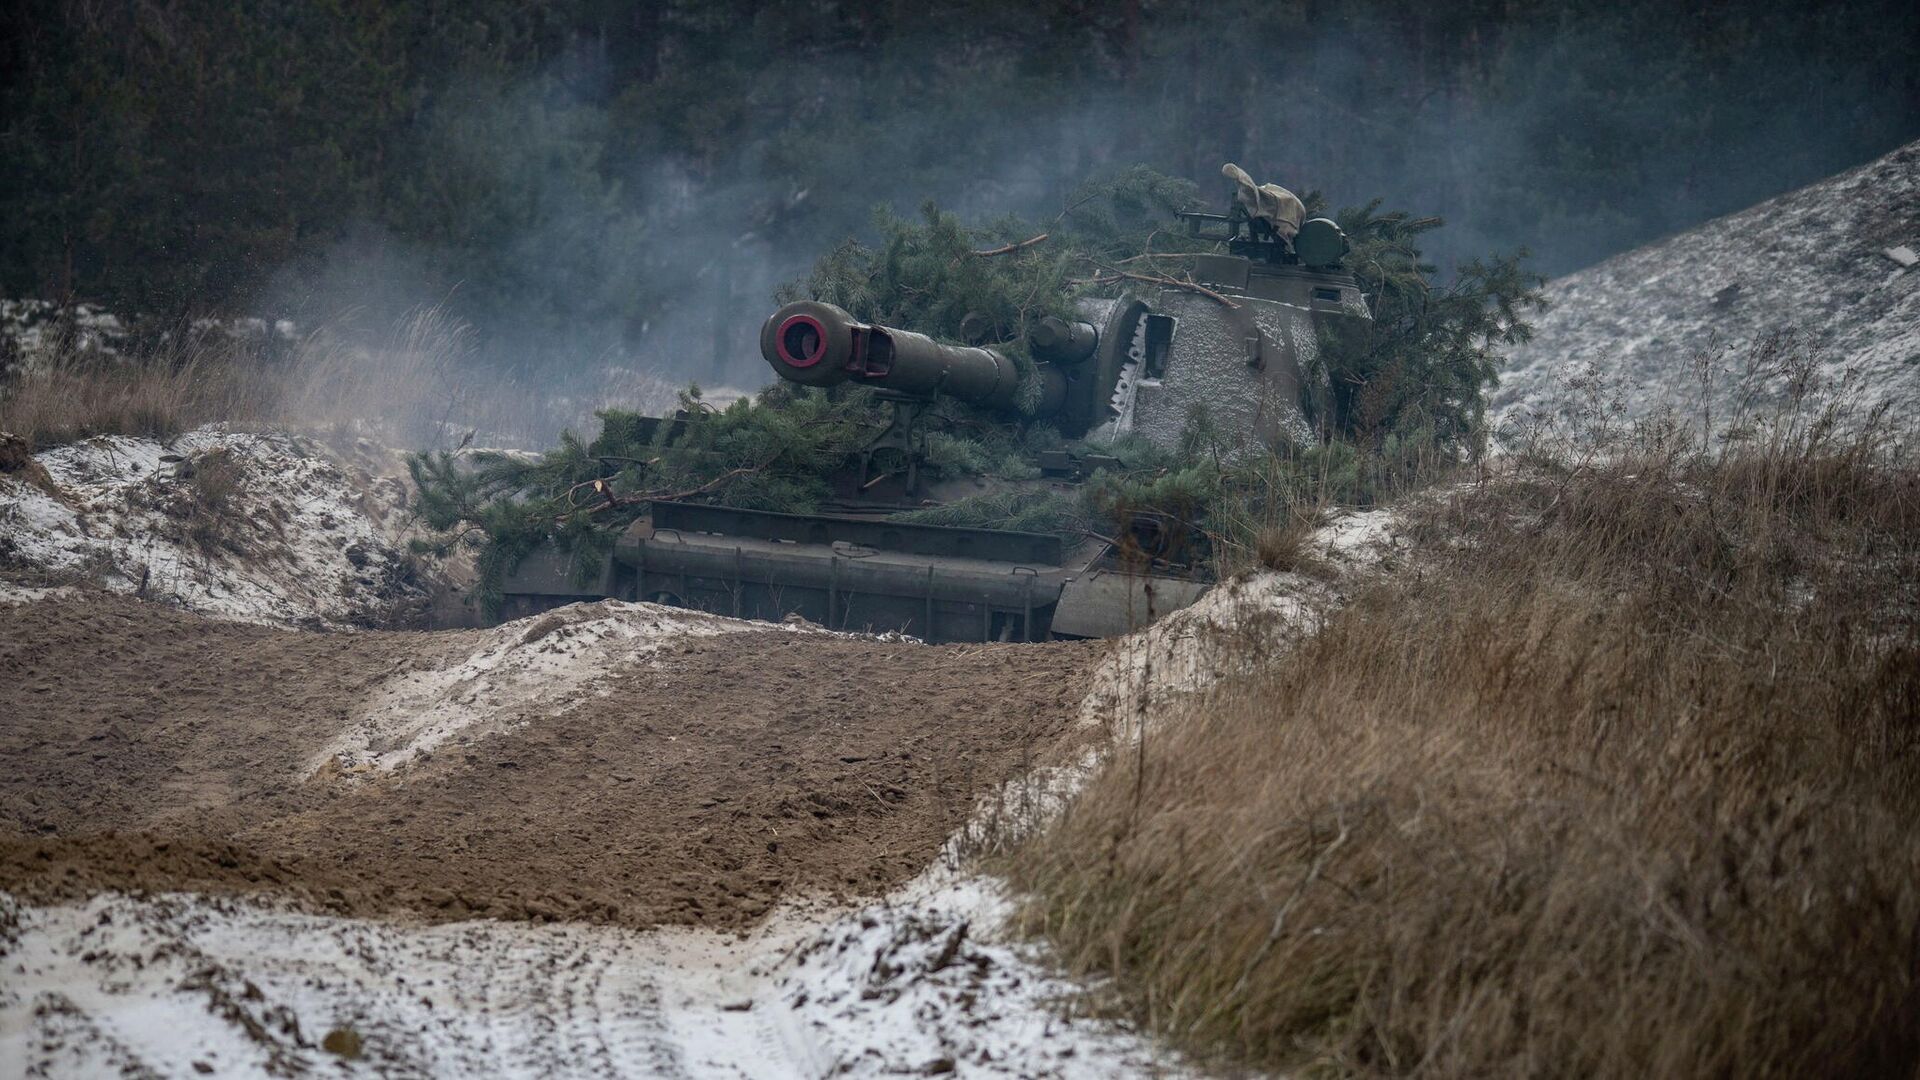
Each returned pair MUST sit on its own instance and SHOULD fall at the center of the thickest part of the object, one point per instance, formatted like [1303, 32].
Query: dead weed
[1621, 781]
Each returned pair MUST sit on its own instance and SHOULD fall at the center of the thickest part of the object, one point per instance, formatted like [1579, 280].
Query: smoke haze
[604, 188]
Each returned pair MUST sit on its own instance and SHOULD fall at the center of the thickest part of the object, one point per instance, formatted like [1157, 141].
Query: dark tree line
[633, 167]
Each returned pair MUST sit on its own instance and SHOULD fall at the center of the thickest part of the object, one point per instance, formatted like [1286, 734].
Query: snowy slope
[1812, 261]
[263, 528]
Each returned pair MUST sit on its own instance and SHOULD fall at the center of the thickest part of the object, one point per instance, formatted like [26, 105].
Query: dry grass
[1287, 547]
[160, 395]
[209, 506]
[420, 388]
[1620, 780]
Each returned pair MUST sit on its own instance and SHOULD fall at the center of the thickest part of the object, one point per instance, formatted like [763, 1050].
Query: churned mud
[617, 764]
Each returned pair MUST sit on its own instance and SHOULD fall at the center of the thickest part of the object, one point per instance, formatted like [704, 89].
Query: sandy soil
[257, 527]
[699, 783]
[615, 839]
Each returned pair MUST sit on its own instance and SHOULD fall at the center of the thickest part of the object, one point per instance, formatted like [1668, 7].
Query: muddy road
[628, 772]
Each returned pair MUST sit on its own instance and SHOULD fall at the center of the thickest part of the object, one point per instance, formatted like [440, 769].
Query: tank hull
[933, 583]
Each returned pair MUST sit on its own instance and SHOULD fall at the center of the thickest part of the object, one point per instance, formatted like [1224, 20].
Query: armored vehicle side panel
[935, 583]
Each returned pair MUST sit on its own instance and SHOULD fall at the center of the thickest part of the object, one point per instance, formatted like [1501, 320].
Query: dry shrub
[1288, 547]
[210, 503]
[1621, 781]
[183, 381]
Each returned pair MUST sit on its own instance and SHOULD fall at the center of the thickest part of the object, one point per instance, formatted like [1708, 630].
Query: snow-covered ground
[925, 981]
[29, 329]
[922, 983]
[32, 332]
[929, 980]
[264, 528]
[1239, 623]
[1820, 262]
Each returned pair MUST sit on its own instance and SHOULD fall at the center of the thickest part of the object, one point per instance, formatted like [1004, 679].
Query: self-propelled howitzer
[1236, 341]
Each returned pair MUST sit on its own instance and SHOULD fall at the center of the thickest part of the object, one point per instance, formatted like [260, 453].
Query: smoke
[571, 226]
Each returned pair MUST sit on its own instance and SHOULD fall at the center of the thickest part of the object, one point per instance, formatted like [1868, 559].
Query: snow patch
[929, 982]
[260, 528]
[1239, 624]
[540, 666]
[185, 985]
[41, 333]
[11, 593]
[1360, 540]
[32, 331]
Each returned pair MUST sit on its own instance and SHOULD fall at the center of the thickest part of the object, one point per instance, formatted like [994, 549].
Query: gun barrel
[819, 344]
[1063, 342]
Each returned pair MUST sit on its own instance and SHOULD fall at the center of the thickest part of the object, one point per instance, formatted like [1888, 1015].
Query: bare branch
[1111, 274]
[1008, 249]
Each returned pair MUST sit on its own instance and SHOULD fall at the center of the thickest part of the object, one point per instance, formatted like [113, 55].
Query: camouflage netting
[1406, 390]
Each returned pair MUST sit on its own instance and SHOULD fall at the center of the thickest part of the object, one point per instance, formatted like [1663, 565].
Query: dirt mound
[152, 749]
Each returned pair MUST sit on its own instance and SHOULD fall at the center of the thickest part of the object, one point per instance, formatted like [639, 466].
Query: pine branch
[613, 500]
[1008, 249]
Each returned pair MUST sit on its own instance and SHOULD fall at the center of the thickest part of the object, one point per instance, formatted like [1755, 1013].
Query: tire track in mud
[163, 985]
[121, 985]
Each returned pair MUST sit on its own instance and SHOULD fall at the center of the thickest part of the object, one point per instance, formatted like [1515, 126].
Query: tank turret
[1239, 340]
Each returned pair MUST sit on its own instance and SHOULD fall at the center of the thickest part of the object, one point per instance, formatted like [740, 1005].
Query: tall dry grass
[176, 387]
[1619, 779]
[420, 387]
